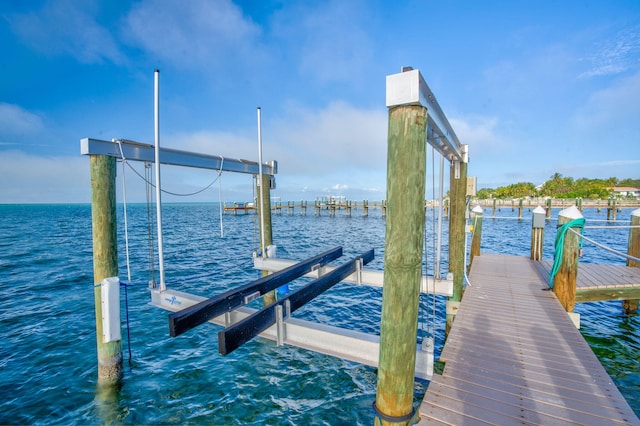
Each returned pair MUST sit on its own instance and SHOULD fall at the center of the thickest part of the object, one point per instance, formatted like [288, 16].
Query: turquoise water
[48, 353]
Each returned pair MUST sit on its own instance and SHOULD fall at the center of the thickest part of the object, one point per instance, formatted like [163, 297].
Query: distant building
[625, 191]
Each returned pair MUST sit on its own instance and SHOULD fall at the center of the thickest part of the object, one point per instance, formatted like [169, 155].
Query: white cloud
[478, 132]
[330, 39]
[610, 110]
[15, 120]
[614, 55]
[67, 27]
[193, 33]
[33, 179]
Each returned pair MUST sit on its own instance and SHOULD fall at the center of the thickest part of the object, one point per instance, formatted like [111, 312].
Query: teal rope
[559, 245]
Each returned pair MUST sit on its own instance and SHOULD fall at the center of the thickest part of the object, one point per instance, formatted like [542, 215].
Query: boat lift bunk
[228, 308]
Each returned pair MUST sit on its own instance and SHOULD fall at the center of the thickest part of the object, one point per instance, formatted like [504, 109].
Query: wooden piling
[537, 233]
[105, 257]
[476, 223]
[493, 212]
[548, 210]
[457, 236]
[520, 208]
[631, 306]
[264, 205]
[564, 283]
[406, 171]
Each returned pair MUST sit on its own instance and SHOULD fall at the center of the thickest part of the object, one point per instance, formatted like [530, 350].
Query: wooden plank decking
[513, 356]
[601, 282]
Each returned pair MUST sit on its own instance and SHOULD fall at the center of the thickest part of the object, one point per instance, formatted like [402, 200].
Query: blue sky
[533, 87]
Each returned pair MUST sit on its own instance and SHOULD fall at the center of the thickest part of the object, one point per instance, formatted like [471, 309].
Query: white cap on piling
[539, 210]
[571, 213]
[477, 209]
[636, 212]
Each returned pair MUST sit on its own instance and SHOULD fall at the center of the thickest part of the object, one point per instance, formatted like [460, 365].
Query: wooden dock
[601, 282]
[514, 356]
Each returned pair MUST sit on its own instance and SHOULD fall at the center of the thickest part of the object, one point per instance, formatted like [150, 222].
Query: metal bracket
[283, 312]
[456, 169]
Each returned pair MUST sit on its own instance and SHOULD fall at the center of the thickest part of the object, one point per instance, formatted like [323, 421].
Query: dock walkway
[513, 356]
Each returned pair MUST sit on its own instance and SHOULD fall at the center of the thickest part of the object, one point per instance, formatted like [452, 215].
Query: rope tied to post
[559, 244]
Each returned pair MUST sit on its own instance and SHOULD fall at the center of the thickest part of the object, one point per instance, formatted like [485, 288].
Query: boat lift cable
[156, 128]
[220, 209]
[126, 245]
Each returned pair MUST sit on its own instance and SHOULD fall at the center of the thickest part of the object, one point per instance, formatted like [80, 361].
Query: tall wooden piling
[105, 257]
[406, 171]
[564, 283]
[548, 210]
[630, 306]
[476, 223]
[457, 236]
[537, 233]
[493, 211]
[264, 213]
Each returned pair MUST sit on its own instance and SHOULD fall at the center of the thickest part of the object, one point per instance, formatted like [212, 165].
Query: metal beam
[136, 151]
[409, 88]
[349, 345]
[236, 335]
[369, 277]
[186, 319]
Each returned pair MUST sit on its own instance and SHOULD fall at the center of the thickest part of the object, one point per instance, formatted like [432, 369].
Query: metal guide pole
[436, 272]
[260, 182]
[156, 122]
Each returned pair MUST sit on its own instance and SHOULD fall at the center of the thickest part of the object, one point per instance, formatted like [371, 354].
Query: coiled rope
[559, 245]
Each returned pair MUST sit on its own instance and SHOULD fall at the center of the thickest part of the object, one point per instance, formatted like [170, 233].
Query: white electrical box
[471, 186]
[110, 296]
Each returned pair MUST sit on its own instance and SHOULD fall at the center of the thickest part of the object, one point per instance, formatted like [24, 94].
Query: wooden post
[458, 195]
[520, 208]
[493, 212]
[631, 306]
[406, 171]
[564, 283]
[105, 257]
[548, 212]
[537, 233]
[264, 205]
[365, 208]
[476, 223]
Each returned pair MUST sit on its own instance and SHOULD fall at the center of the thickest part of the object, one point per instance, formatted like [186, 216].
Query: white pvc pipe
[156, 122]
[261, 191]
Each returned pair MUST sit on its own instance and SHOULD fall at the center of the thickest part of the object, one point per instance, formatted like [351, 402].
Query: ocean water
[48, 366]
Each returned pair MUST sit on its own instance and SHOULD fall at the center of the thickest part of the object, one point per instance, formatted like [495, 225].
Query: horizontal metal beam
[349, 345]
[190, 317]
[409, 88]
[136, 151]
[238, 334]
[364, 277]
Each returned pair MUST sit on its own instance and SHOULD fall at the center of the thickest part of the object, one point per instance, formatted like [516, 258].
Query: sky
[532, 87]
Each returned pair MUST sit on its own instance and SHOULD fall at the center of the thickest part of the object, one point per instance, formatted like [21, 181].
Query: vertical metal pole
[260, 182]
[105, 257]
[436, 273]
[404, 239]
[156, 126]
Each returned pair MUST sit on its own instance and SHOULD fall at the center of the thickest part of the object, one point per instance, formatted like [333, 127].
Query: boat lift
[228, 309]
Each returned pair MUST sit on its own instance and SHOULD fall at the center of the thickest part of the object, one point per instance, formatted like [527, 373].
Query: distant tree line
[559, 186]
